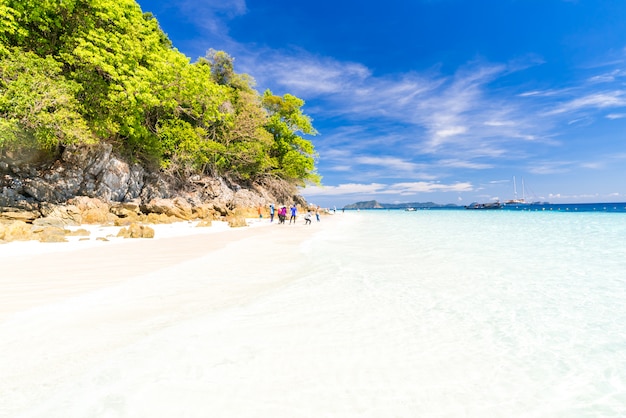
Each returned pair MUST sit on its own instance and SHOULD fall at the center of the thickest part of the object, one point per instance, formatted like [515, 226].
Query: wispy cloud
[464, 164]
[607, 77]
[401, 189]
[593, 165]
[455, 111]
[392, 163]
[551, 167]
[601, 100]
[212, 15]
[309, 76]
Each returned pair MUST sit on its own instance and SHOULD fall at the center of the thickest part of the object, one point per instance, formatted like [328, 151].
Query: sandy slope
[67, 310]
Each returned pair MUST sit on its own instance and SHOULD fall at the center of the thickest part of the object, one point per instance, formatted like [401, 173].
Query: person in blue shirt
[271, 212]
[294, 211]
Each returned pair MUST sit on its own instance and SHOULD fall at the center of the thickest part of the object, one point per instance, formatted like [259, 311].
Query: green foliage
[36, 100]
[80, 71]
[222, 67]
[294, 156]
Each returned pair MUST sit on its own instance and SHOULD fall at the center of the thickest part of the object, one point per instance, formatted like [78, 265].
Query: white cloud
[450, 131]
[340, 168]
[406, 188]
[344, 189]
[464, 164]
[551, 167]
[429, 187]
[392, 163]
[593, 165]
[607, 77]
[498, 123]
[309, 76]
[602, 100]
[532, 93]
[212, 15]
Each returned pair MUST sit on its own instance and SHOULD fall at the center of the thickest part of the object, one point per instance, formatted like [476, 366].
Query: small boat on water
[493, 205]
[517, 201]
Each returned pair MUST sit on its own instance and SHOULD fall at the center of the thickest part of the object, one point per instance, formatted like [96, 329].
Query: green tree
[37, 102]
[248, 143]
[293, 155]
[79, 71]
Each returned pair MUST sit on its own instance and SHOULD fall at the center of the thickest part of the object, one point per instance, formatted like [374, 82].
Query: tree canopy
[85, 71]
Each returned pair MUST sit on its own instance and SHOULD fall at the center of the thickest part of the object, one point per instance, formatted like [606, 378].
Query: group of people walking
[293, 210]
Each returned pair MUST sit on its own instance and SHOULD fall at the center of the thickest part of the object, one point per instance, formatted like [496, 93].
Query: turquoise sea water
[472, 313]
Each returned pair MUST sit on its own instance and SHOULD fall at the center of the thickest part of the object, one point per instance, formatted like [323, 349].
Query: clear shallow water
[480, 313]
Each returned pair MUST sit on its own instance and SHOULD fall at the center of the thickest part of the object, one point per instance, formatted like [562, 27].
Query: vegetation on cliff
[89, 71]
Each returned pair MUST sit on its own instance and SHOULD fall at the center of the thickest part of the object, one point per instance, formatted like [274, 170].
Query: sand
[76, 318]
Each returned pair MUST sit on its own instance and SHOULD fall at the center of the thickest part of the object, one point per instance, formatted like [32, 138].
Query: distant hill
[373, 204]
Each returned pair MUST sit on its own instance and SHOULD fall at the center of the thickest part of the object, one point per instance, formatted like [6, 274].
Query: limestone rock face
[93, 185]
[91, 171]
[114, 181]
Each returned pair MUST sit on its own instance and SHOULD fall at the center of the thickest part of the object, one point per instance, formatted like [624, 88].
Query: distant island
[373, 204]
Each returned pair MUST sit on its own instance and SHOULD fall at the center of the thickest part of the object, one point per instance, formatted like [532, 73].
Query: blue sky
[436, 100]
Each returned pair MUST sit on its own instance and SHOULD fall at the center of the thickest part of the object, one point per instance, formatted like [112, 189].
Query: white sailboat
[516, 200]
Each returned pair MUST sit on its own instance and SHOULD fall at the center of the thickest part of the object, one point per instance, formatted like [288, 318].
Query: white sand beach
[82, 323]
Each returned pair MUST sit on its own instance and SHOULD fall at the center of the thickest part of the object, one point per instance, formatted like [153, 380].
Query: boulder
[177, 207]
[46, 222]
[204, 224]
[205, 211]
[81, 232]
[19, 215]
[129, 210]
[236, 221]
[160, 218]
[92, 210]
[67, 214]
[16, 231]
[136, 231]
[51, 234]
[97, 216]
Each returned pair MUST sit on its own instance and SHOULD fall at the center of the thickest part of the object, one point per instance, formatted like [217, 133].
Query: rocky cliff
[90, 184]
